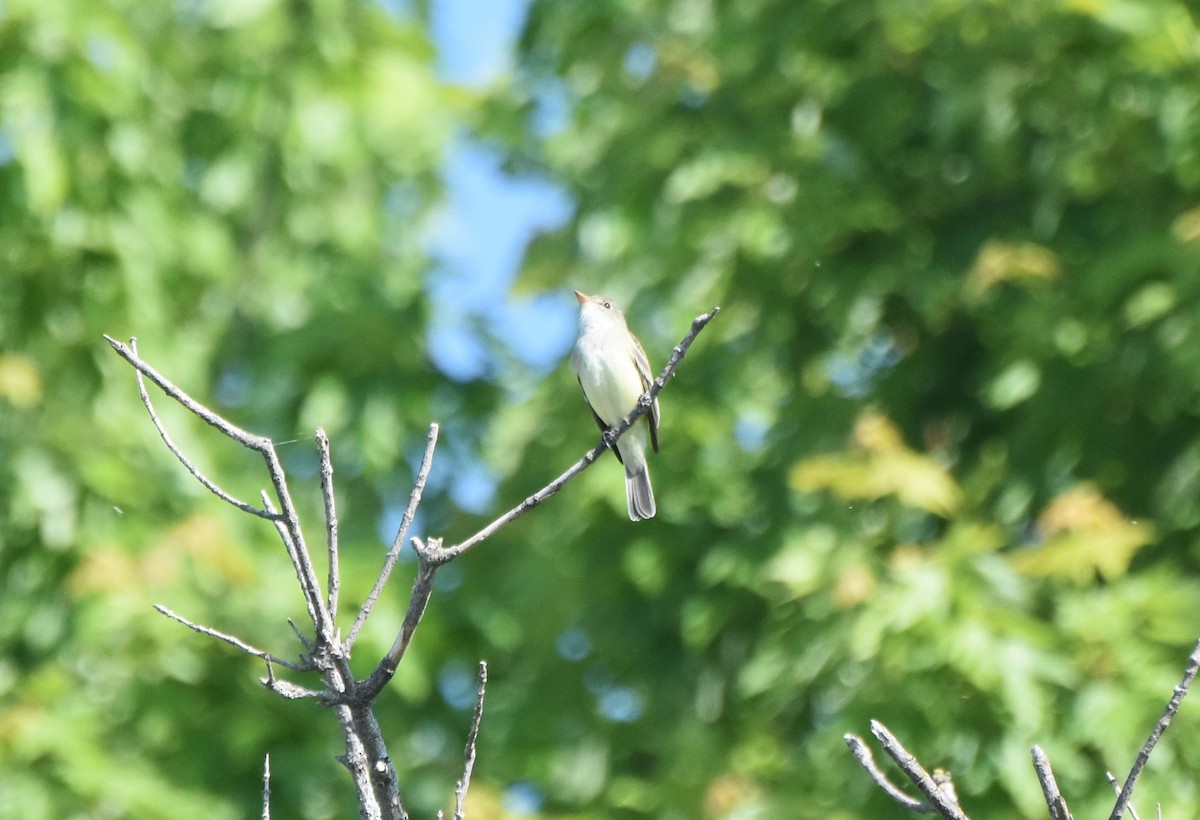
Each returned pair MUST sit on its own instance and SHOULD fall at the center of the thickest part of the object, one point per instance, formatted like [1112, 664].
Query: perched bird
[614, 373]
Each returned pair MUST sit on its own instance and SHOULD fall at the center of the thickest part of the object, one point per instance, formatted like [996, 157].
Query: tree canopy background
[936, 463]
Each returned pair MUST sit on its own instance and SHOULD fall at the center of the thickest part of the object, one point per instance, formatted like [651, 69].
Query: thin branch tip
[1055, 802]
[862, 753]
[460, 791]
[1143, 756]
[937, 788]
[393, 553]
[375, 778]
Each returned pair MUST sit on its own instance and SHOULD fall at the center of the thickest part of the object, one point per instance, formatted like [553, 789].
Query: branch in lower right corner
[938, 790]
[1054, 799]
[862, 753]
[1189, 675]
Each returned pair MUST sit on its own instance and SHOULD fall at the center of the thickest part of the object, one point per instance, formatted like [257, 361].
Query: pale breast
[611, 383]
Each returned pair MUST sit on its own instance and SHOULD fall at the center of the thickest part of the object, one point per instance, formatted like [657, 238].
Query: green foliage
[244, 187]
[936, 462]
[975, 218]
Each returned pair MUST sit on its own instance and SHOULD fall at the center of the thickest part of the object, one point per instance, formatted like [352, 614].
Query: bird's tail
[639, 494]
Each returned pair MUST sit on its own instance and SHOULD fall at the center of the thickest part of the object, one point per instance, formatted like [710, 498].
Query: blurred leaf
[1013, 385]
[1186, 226]
[20, 381]
[1086, 535]
[975, 218]
[1000, 261]
[880, 465]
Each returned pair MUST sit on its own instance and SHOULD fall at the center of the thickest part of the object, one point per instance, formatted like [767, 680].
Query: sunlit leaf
[1086, 535]
[880, 465]
[1000, 261]
[20, 381]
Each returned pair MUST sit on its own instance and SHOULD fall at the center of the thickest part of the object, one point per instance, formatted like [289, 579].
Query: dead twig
[460, 791]
[1189, 675]
[414, 499]
[331, 523]
[366, 754]
[938, 788]
[1116, 787]
[1054, 799]
[862, 753]
[130, 354]
[232, 641]
[266, 792]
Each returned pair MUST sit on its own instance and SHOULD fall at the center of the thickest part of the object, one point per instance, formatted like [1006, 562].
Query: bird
[613, 373]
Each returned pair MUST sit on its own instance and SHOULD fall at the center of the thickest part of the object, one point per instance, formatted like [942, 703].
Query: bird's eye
[608, 305]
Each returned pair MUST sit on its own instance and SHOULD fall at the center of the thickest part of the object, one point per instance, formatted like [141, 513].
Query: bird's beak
[582, 297]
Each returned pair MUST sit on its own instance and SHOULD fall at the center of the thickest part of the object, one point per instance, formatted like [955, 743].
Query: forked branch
[1054, 799]
[940, 797]
[366, 755]
[940, 794]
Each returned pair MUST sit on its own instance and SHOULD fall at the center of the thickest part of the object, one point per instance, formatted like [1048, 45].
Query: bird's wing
[643, 366]
[599, 421]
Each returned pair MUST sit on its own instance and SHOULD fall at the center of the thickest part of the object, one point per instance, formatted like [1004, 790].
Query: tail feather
[639, 494]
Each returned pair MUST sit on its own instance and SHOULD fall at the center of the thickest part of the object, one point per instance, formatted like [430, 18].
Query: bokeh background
[936, 463]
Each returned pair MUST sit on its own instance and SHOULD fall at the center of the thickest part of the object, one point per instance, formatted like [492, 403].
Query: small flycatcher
[614, 373]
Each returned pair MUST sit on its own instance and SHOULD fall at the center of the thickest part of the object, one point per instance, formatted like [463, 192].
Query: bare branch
[460, 791]
[374, 775]
[291, 691]
[130, 354]
[289, 523]
[433, 555]
[266, 793]
[246, 439]
[414, 499]
[232, 641]
[1116, 786]
[1054, 799]
[422, 589]
[284, 688]
[331, 521]
[367, 760]
[940, 798]
[367, 757]
[300, 636]
[306, 576]
[1144, 755]
[450, 553]
[608, 439]
[862, 753]
[286, 519]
